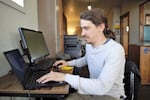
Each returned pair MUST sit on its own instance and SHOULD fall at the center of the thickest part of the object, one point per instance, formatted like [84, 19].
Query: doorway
[124, 30]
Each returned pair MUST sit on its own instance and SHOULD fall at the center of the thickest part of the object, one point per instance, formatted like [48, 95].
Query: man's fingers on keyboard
[41, 79]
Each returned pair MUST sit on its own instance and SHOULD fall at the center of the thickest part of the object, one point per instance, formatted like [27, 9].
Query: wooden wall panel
[145, 64]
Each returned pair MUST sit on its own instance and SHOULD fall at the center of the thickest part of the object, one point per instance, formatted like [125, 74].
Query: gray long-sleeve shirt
[106, 66]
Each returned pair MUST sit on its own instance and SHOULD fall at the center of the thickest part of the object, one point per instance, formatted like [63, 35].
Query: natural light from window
[19, 2]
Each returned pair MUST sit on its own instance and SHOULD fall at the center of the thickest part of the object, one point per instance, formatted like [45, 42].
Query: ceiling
[74, 7]
[96, 3]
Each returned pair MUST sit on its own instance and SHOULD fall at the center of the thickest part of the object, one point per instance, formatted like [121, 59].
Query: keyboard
[45, 64]
[32, 84]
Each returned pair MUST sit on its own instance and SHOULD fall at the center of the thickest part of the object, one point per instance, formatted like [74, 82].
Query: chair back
[132, 80]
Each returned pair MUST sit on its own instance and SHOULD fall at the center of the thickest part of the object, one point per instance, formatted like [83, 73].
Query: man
[105, 59]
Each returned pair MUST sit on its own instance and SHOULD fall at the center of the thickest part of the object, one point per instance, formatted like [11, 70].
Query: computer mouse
[56, 68]
[58, 64]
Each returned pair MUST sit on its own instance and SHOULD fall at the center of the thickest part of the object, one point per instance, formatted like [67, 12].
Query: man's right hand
[60, 63]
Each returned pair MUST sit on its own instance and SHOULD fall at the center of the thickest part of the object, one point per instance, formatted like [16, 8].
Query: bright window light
[19, 2]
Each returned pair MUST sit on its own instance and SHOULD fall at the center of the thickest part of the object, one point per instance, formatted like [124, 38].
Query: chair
[132, 80]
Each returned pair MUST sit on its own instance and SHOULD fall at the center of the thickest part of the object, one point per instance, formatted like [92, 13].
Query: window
[19, 2]
[16, 4]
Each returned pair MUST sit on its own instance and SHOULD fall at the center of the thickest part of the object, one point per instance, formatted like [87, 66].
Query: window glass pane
[19, 2]
[16, 4]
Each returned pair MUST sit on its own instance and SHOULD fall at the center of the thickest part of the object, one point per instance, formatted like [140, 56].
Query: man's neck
[99, 42]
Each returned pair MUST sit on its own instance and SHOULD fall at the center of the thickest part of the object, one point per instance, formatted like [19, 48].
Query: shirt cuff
[73, 80]
[71, 63]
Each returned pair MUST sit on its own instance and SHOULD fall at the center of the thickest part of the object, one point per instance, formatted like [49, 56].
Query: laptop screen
[17, 63]
[35, 43]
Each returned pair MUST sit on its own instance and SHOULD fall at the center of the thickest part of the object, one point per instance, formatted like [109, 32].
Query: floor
[144, 92]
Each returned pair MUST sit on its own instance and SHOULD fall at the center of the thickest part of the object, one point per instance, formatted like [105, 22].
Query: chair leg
[132, 85]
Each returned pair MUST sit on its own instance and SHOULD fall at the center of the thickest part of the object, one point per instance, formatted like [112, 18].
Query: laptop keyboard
[32, 84]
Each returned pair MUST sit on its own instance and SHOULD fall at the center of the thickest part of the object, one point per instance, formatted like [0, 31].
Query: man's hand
[60, 63]
[52, 76]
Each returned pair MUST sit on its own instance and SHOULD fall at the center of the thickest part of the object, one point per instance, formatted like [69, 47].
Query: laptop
[25, 74]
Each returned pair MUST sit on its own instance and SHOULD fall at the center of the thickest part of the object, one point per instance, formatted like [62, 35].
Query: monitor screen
[146, 33]
[35, 43]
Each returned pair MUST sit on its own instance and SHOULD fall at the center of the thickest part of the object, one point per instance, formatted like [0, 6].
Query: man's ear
[101, 27]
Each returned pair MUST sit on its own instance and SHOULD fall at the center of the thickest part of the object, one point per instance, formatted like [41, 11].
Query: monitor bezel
[25, 45]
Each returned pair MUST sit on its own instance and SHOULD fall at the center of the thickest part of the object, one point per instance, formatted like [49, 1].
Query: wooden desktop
[10, 86]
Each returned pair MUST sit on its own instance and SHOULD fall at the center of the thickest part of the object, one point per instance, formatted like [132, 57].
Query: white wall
[116, 22]
[10, 20]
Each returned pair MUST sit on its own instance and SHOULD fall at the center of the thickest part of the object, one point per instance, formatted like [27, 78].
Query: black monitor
[33, 42]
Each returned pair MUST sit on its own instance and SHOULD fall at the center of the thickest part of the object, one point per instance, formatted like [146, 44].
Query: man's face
[90, 32]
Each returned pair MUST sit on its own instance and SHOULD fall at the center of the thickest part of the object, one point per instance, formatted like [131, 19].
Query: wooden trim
[121, 17]
[142, 21]
[141, 24]
[121, 29]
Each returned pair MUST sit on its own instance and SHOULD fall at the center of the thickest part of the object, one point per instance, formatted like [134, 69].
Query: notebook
[25, 74]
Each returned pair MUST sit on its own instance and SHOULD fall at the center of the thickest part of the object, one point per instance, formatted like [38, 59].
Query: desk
[10, 86]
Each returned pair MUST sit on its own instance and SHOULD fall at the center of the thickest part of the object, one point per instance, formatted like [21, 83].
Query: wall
[50, 22]
[10, 20]
[133, 9]
[47, 21]
[110, 19]
[116, 22]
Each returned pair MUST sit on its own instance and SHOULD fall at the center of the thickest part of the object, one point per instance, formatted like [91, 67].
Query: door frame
[121, 30]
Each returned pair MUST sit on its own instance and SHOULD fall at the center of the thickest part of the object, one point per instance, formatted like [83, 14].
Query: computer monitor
[34, 42]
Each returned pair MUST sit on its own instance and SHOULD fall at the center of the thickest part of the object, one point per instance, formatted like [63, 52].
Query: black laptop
[25, 74]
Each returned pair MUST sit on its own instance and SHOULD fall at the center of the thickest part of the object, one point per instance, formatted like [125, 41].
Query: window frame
[14, 5]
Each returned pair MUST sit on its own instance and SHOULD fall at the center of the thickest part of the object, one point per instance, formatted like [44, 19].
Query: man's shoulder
[114, 45]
